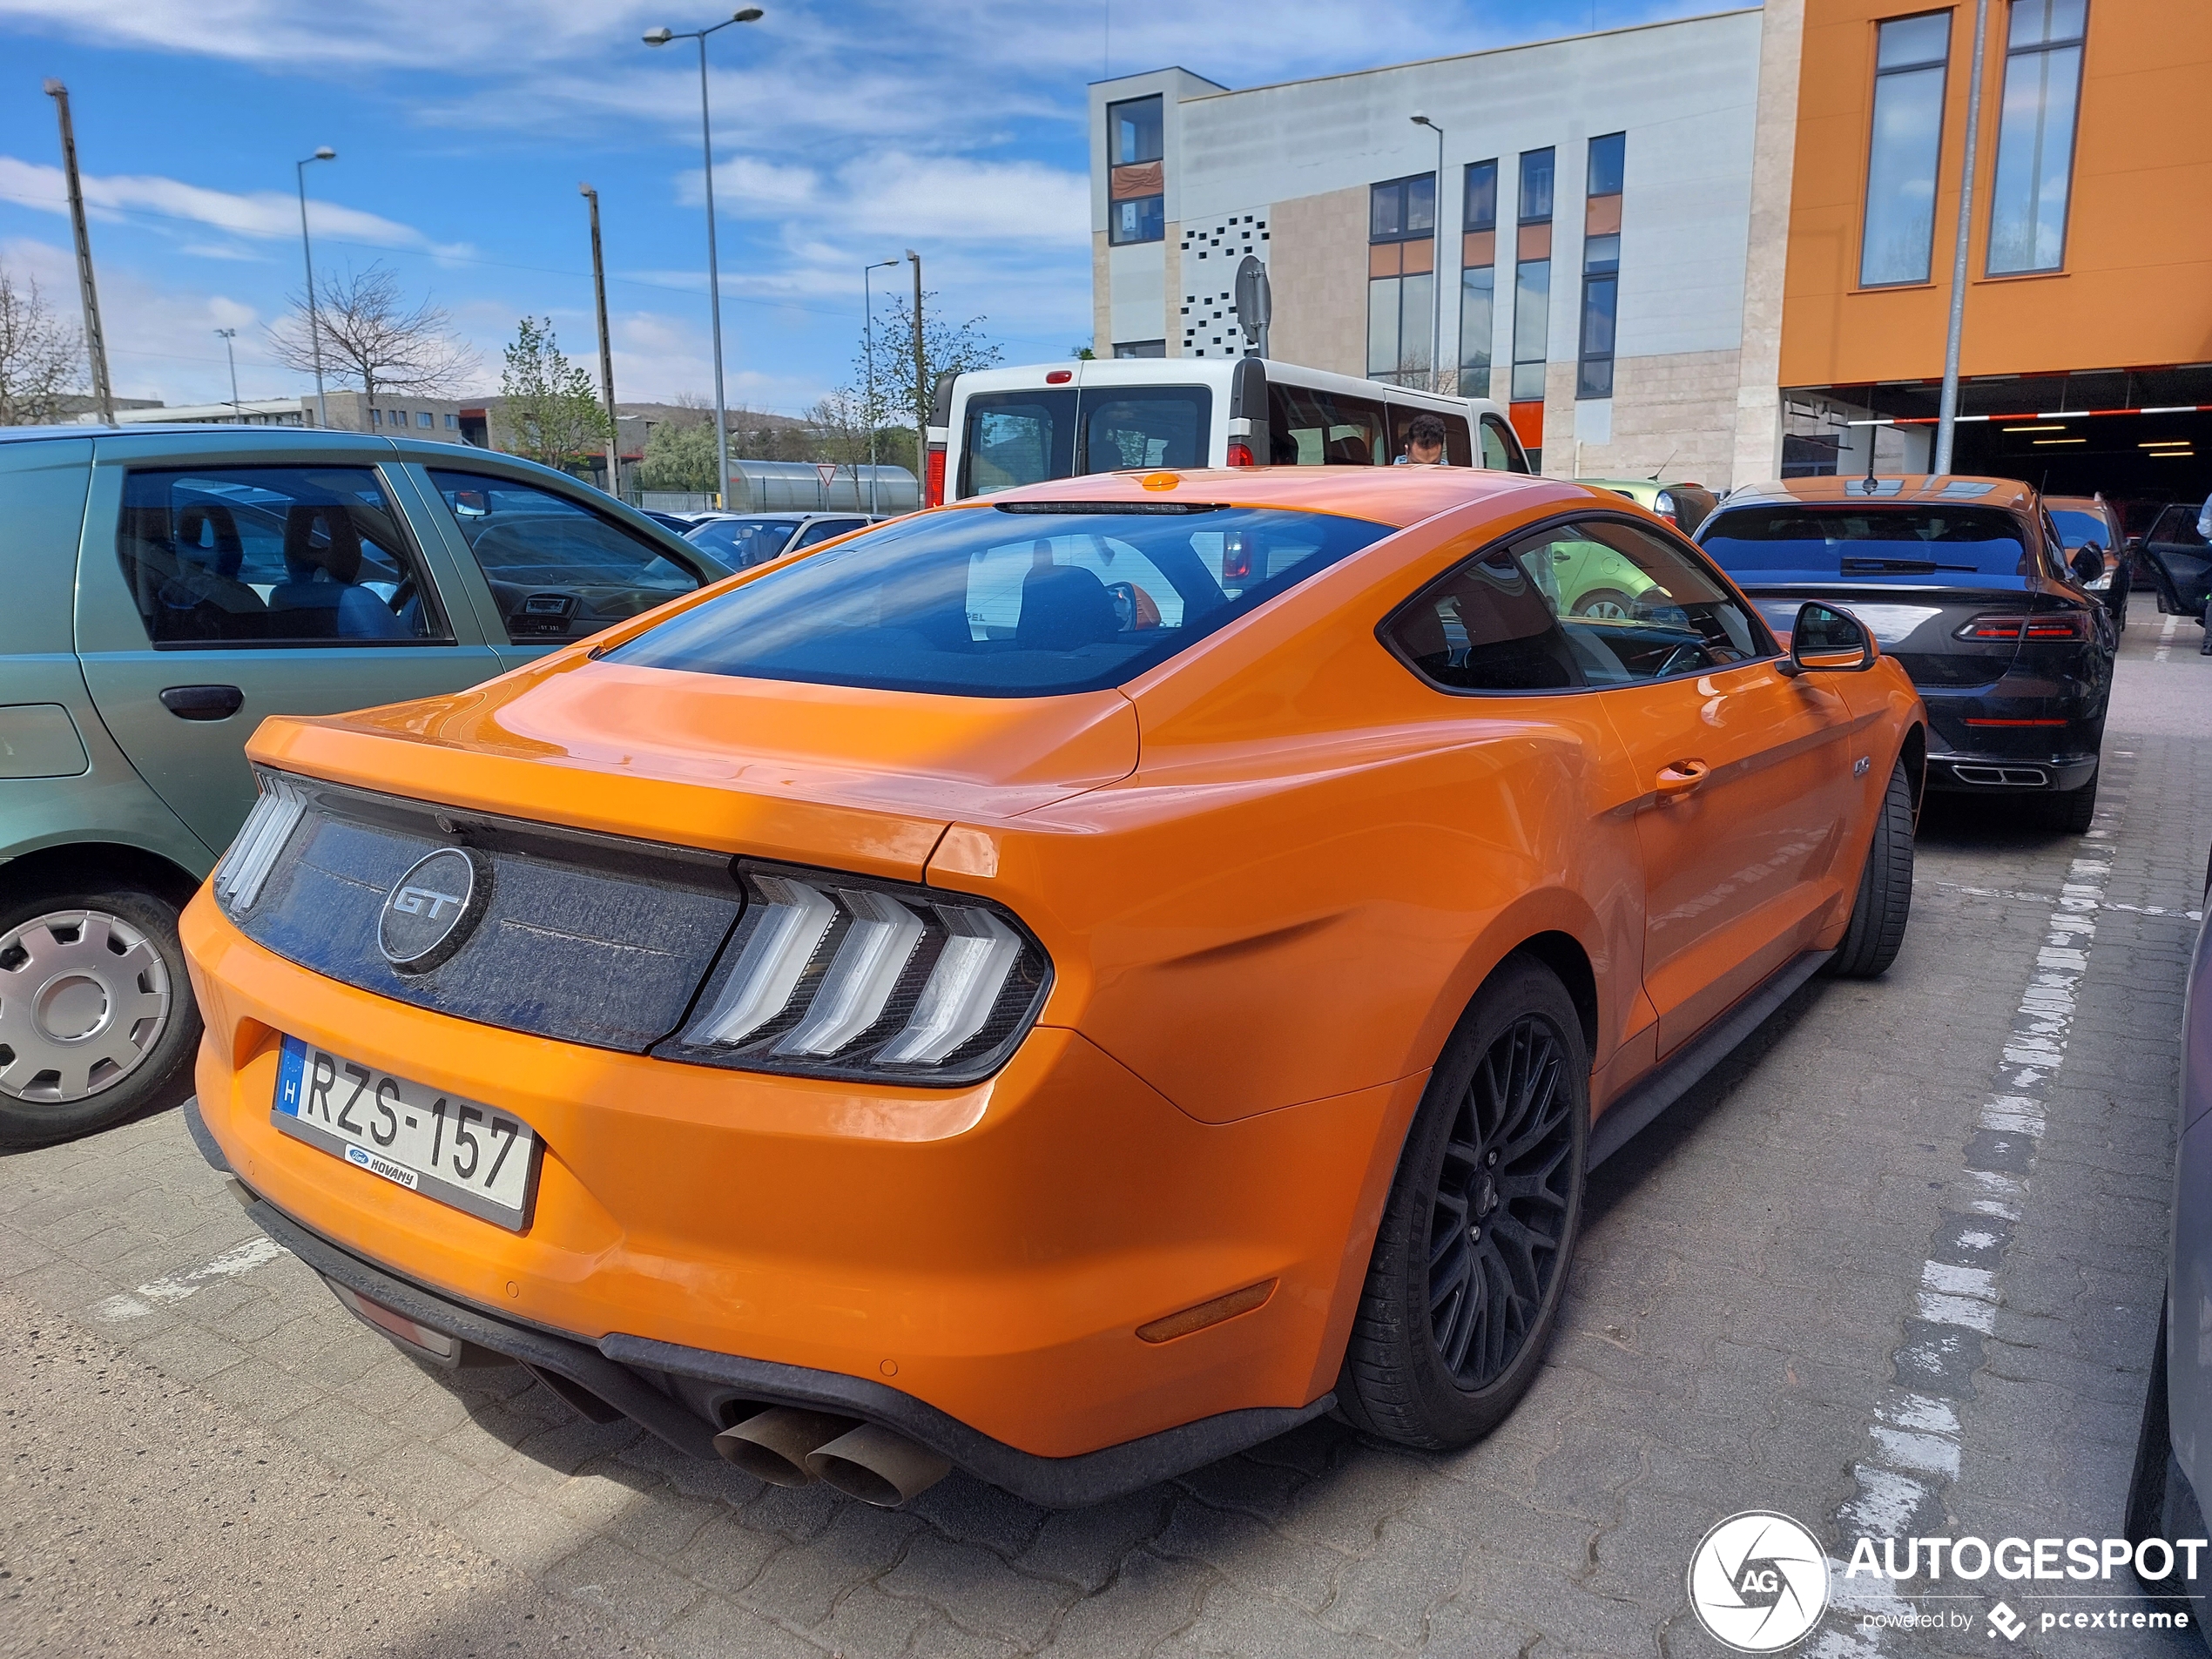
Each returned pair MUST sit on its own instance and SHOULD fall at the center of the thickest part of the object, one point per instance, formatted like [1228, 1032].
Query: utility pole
[314, 304]
[238, 414]
[921, 384]
[868, 350]
[606, 349]
[95, 341]
[1947, 409]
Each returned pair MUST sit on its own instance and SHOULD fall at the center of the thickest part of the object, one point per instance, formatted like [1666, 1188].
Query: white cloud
[262, 214]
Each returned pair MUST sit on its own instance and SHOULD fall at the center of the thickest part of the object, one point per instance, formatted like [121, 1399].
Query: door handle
[203, 702]
[1679, 777]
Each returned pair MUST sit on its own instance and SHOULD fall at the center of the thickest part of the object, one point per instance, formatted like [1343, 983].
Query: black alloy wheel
[1470, 1262]
[1498, 1217]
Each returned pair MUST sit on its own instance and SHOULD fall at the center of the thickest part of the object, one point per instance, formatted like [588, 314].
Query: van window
[1308, 427]
[1499, 449]
[1459, 449]
[1025, 599]
[1016, 438]
[1146, 426]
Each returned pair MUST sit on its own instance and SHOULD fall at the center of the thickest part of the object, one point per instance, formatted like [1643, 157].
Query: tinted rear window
[1869, 544]
[1004, 601]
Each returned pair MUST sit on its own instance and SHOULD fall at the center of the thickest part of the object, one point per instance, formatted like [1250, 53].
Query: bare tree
[370, 340]
[39, 355]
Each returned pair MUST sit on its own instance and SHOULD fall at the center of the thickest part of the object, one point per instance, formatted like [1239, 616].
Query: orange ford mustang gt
[1067, 986]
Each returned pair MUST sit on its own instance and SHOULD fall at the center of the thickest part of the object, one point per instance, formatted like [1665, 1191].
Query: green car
[1681, 504]
[166, 587]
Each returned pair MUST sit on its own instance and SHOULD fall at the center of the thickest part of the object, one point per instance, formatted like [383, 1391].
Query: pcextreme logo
[1758, 1581]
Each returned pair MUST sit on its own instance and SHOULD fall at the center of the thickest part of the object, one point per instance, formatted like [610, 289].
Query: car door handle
[1678, 778]
[203, 702]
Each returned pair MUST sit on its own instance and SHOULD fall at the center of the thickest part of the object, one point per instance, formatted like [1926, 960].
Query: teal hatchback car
[166, 587]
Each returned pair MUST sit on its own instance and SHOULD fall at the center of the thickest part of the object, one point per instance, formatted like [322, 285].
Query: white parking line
[175, 1287]
[2166, 638]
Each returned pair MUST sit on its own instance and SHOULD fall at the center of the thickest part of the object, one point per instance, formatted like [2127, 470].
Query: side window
[1499, 449]
[823, 529]
[1308, 428]
[1458, 449]
[1586, 605]
[272, 556]
[557, 570]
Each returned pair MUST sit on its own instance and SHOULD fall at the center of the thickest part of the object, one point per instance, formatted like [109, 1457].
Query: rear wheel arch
[98, 864]
[1570, 964]
[1914, 753]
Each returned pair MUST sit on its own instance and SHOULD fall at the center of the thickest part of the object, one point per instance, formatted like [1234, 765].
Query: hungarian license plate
[460, 1152]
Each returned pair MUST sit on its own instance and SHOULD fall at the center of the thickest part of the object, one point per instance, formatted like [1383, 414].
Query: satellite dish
[1255, 301]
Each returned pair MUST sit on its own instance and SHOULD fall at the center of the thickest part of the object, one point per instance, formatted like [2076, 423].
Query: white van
[993, 429]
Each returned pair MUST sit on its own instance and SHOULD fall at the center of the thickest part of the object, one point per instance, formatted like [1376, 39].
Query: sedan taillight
[2048, 626]
[845, 976]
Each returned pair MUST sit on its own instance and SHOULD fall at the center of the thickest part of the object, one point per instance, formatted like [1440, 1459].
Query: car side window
[557, 570]
[272, 556]
[1310, 428]
[823, 529]
[1498, 452]
[1582, 605]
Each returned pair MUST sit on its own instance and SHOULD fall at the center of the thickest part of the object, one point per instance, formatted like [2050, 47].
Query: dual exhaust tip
[789, 1447]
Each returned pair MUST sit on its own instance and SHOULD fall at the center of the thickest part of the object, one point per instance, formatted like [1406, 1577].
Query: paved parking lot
[1895, 1268]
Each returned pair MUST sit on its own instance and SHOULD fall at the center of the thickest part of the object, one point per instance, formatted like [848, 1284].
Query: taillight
[845, 976]
[253, 850]
[1236, 557]
[936, 475]
[1240, 454]
[2055, 625]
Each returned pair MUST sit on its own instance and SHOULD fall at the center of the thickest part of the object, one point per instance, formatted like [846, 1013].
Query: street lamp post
[238, 414]
[308, 255]
[606, 349]
[868, 350]
[1436, 264]
[661, 36]
[922, 388]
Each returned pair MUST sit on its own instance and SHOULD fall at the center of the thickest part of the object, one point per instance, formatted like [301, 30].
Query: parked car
[996, 428]
[743, 540]
[677, 522]
[1966, 581]
[168, 587]
[1681, 504]
[2176, 1441]
[821, 986]
[2089, 520]
[2177, 553]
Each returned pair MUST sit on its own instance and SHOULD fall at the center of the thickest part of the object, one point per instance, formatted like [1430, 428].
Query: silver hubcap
[1607, 611]
[84, 998]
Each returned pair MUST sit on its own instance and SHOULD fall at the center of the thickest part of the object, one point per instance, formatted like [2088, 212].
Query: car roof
[1394, 496]
[2076, 504]
[793, 514]
[1643, 483]
[1890, 490]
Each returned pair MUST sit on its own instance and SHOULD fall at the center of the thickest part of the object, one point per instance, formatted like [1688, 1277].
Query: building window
[1141, 348]
[1600, 264]
[2035, 137]
[423, 418]
[1478, 276]
[1135, 175]
[1532, 281]
[1401, 279]
[376, 417]
[1910, 54]
[452, 422]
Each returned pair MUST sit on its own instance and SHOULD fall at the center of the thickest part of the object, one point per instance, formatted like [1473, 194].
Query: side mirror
[2088, 562]
[1826, 640]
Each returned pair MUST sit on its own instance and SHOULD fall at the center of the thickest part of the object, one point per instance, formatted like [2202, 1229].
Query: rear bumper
[995, 1249]
[2008, 774]
[681, 1394]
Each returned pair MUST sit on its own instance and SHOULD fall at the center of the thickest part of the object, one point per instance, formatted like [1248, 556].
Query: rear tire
[1605, 604]
[1885, 901]
[2073, 811]
[96, 1017]
[1470, 1262]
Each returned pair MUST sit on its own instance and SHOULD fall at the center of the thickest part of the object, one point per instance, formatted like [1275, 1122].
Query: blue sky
[843, 133]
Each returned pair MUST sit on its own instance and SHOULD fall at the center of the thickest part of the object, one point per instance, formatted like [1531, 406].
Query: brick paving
[224, 1460]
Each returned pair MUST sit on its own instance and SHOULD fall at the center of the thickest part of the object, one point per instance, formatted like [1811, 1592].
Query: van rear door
[1026, 436]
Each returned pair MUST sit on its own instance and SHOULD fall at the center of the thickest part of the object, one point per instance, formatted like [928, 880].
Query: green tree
[550, 411]
[679, 454]
[883, 401]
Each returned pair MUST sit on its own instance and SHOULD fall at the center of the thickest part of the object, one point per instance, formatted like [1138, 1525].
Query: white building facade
[1591, 225]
